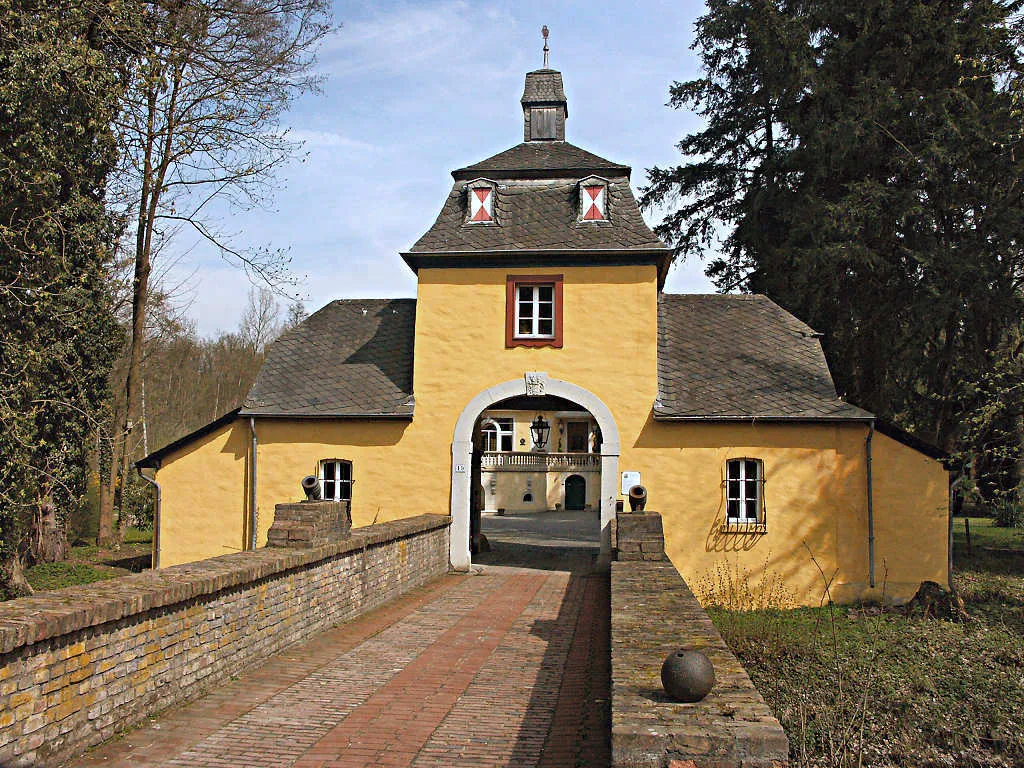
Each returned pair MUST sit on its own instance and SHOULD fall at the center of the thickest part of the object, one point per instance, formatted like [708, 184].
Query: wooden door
[575, 492]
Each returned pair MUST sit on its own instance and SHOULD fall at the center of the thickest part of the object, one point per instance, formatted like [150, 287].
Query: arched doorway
[575, 493]
[532, 384]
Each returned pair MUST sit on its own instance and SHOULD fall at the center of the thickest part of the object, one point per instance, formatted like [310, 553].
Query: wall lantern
[539, 430]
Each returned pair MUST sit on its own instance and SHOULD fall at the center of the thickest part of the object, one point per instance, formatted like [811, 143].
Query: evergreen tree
[879, 199]
[58, 96]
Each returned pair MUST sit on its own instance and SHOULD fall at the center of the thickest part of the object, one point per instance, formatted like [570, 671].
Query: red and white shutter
[481, 201]
[594, 202]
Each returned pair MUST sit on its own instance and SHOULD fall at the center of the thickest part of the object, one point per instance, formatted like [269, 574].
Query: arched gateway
[531, 384]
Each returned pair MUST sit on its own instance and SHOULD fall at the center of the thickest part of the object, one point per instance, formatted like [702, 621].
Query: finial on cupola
[544, 105]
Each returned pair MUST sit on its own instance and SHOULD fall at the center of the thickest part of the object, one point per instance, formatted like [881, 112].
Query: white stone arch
[531, 384]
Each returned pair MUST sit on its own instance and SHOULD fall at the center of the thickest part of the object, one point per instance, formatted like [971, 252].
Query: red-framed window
[533, 311]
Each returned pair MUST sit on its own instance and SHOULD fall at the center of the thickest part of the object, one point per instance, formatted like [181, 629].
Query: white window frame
[493, 208]
[743, 497]
[339, 483]
[584, 206]
[534, 317]
[501, 427]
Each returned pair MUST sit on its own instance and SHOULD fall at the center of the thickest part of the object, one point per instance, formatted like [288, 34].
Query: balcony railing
[540, 462]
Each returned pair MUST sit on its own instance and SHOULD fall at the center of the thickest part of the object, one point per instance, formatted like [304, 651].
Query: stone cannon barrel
[637, 498]
[312, 489]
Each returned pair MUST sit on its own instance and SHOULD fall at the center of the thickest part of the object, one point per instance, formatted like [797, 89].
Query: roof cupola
[544, 106]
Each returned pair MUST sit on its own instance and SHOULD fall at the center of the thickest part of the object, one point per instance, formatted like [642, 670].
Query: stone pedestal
[640, 536]
[309, 524]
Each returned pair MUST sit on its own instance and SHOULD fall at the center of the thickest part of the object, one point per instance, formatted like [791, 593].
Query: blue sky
[417, 89]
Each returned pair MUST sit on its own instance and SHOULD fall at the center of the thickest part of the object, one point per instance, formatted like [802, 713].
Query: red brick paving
[506, 668]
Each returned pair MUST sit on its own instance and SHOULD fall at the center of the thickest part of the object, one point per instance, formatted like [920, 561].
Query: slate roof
[351, 358]
[741, 357]
[539, 215]
[543, 85]
[719, 357]
[542, 158]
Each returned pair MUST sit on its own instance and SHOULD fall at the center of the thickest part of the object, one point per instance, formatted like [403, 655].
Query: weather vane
[544, 31]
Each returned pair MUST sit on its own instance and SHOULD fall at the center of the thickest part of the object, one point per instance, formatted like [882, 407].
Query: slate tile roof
[539, 214]
[731, 356]
[543, 85]
[542, 156]
[741, 356]
[351, 358]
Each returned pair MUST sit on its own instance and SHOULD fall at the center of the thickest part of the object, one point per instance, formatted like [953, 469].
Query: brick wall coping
[653, 614]
[29, 620]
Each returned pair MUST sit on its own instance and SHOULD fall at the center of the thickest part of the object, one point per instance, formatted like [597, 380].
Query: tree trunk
[12, 578]
[140, 296]
[49, 541]
[1020, 458]
[153, 179]
[106, 465]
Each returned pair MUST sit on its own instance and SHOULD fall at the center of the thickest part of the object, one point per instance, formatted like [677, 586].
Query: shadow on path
[570, 700]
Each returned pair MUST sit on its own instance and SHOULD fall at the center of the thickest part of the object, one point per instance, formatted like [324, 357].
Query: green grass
[47, 576]
[903, 691]
[86, 563]
[138, 536]
[986, 534]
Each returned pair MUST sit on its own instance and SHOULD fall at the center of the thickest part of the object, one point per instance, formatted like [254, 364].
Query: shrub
[730, 592]
[733, 588]
[1009, 514]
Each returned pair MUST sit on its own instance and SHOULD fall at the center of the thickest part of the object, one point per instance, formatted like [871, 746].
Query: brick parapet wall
[309, 524]
[653, 614]
[80, 664]
[639, 536]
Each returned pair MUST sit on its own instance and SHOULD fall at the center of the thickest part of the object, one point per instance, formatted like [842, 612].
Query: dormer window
[594, 199]
[480, 196]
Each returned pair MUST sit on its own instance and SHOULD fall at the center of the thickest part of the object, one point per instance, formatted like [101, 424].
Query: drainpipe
[871, 509]
[253, 517]
[155, 563]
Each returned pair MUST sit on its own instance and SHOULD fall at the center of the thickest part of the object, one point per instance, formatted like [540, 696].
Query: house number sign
[461, 468]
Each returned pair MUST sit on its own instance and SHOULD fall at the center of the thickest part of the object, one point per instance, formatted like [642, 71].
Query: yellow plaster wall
[816, 505]
[548, 489]
[509, 489]
[911, 517]
[203, 497]
[816, 487]
[610, 330]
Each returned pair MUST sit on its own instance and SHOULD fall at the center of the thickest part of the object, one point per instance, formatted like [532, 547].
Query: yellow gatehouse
[541, 367]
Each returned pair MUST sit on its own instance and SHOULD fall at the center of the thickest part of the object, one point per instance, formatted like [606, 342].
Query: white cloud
[317, 139]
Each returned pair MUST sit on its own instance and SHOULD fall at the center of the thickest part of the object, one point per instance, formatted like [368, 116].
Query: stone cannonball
[687, 675]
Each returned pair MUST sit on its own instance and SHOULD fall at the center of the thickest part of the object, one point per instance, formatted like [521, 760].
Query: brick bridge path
[505, 667]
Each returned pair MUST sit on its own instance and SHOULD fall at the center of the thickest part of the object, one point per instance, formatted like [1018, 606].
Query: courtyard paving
[506, 666]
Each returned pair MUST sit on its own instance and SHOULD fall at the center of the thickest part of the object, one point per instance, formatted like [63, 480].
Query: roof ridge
[559, 155]
[721, 295]
[378, 298]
